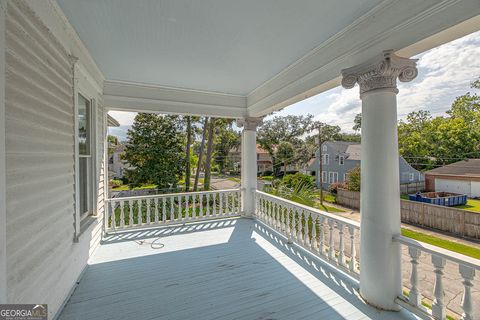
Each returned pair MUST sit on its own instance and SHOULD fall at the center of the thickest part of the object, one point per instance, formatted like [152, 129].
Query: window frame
[341, 160]
[83, 221]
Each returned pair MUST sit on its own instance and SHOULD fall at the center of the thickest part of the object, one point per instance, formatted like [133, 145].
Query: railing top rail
[166, 195]
[444, 253]
[323, 213]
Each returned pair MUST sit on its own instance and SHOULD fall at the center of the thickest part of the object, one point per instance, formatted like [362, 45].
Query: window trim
[341, 160]
[82, 87]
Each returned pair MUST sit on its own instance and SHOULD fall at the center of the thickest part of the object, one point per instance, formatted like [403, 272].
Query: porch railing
[165, 209]
[467, 267]
[328, 236]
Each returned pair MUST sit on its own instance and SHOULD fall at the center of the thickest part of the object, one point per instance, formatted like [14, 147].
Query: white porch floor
[229, 269]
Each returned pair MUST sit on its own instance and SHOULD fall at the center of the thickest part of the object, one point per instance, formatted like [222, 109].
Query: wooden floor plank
[232, 269]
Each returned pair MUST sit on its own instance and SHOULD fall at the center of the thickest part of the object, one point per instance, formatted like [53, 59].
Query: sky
[444, 73]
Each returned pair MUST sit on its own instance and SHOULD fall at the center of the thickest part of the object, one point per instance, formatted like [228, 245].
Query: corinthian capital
[380, 72]
[249, 123]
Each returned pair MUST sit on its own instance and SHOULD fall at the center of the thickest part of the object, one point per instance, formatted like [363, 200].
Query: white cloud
[124, 118]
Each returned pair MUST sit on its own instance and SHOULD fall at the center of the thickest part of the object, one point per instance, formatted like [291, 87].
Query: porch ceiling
[239, 58]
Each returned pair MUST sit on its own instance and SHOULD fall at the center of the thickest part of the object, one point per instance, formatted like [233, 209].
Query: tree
[278, 129]
[326, 133]
[285, 154]
[154, 150]
[208, 156]
[226, 139]
[187, 153]
[200, 154]
[357, 122]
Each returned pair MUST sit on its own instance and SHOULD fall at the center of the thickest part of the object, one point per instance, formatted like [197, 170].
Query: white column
[3, 207]
[249, 163]
[380, 257]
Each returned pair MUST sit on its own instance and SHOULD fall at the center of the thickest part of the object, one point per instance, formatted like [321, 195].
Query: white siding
[456, 186]
[43, 263]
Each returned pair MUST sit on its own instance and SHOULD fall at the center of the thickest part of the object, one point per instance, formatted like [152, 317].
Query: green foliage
[116, 183]
[427, 142]
[292, 180]
[353, 179]
[285, 153]
[155, 151]
[226, 139]
[357, 122]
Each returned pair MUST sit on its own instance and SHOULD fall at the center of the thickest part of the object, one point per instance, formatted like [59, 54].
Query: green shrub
[116, 183]
[292, 180]
[353, 179]
[333, 187]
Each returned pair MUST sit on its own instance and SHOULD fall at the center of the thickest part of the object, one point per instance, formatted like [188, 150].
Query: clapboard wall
[43, 261]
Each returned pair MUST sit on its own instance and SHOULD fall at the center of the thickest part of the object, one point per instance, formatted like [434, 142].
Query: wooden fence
[410, 188]
[456, 221]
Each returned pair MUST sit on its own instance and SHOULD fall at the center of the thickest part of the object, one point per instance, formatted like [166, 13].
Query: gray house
[340, 157]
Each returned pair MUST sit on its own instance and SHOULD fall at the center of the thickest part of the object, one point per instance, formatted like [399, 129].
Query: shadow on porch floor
[228, 269]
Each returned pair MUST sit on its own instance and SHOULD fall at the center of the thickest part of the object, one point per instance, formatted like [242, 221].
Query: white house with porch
[223, 254]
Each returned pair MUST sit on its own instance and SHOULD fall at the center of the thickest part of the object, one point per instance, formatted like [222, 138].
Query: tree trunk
[200, 156]
[208, 157]
[187, 154]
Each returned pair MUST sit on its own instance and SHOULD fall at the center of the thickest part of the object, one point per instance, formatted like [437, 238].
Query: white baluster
[214, 196]
[221, 204]
[187, 207]
[294, 224]
[139, 213]
[300, 227]
[157, 209]
[331, 247]
[341, 245]
[467, 274]
[172, 208]
[414, 297]
[164, 209]
[207, 196]
[194, 206]
[288, 229]
[314, 241]
[180, 209]
[148, 211]
[322, 235]
[122, 215]
[306, 233]
[130, 215]
[353, 252]
[114, 218]
[438, 307]
[201, 206]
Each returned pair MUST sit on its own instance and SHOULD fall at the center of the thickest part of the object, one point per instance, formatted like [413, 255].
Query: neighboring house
[459, 177]
[117, 166]
[340, 157]
[264, 160]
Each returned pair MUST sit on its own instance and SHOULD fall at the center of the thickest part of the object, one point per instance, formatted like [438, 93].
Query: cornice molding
[381, 72]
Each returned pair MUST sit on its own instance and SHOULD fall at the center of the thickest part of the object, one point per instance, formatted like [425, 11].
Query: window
[332, 177]
[324, 147]
[326, 159]
[345, 176]
[85, 158]
[341, 160]
[412, 177]
[324, 176]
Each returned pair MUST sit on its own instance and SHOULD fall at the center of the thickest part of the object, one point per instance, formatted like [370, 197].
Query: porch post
[380, 257]
[249, 163]
[3, 207]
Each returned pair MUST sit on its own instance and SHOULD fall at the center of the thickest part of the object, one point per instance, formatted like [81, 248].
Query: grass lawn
[125, 187]
[328, 208]
[472, 205]
[470, 251]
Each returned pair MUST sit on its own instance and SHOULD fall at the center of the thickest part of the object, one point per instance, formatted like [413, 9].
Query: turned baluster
[122, 215]
[331, 248]
[148, 211]
[314, 242]
[353, 252]
[341, 249]
[467, 274]
[321, 230]
[438, 307]
[414, 297]
[130, 215]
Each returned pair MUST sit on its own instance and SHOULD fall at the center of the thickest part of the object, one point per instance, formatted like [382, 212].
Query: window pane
[83, 125]
[83, 185]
